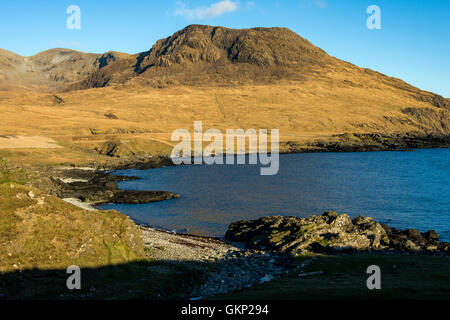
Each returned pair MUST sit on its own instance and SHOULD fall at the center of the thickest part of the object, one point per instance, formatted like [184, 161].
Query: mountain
[201, 55]
[228, 78]
[205, 55]
[54, 68]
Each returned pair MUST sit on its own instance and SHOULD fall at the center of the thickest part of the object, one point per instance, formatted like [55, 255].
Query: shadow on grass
[417, 277]
[138, 280]
[411, 277]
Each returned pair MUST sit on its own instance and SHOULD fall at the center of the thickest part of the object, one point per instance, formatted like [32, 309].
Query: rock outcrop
[361, 142]
[330, 233]
[97, 187]
[137, 197]
[54, 68]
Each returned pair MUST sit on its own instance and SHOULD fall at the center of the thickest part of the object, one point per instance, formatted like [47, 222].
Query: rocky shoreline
[95, 186]
[253, 252]
[89, 187]
[332, 233]
[262, 250]
[364, 142]
[233, 267]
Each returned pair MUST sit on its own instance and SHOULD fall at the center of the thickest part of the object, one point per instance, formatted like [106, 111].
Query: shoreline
[367, 142]
[68, 182]
[73, 181]
[252, 265]
[340, 143]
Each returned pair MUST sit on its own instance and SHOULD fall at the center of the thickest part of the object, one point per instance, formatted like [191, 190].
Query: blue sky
[413, 43]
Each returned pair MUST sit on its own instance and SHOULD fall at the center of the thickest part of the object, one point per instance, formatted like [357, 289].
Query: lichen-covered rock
[329, 232]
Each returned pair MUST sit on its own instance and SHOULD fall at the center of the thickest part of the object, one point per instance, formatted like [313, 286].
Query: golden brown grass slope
[250, 78]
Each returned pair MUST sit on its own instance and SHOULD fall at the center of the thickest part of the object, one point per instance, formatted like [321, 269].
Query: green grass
[41, 236]
[402, 277]
[13, 175]
[47, 233]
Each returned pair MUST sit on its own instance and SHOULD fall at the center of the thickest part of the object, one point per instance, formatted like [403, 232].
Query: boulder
[431, 236]
[388, 230]
[414, 234]
[444, 247]
[330, 214]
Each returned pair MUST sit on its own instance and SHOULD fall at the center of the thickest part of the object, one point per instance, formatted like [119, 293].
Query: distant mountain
[203, 55]
[54, 68]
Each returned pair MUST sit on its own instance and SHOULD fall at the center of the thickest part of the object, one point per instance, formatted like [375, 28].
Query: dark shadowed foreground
[308, 277]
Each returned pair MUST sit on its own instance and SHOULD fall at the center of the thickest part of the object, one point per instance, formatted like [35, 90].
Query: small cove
[401, 189]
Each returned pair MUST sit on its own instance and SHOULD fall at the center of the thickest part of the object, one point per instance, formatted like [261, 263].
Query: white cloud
[202, 13]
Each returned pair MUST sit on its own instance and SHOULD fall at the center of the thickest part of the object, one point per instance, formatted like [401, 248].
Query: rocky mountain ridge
[52, 69]
[201, 55]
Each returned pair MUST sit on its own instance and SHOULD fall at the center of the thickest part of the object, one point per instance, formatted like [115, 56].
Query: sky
[412, 44]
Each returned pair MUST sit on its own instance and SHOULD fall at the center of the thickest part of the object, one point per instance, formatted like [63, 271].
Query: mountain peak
[258, 46]
[203, 55]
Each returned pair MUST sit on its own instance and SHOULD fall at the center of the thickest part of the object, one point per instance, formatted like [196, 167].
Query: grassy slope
[42, 231]
[304, 112]
[298, 109]
[46, 232]
[38, 242]
[402, 277]
[40, 236]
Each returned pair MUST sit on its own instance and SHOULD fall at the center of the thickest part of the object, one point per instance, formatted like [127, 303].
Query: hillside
[63, 108]
[41, 231]
[249, 78]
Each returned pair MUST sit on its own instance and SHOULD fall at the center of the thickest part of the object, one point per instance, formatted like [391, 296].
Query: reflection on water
[402, 189]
